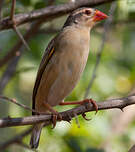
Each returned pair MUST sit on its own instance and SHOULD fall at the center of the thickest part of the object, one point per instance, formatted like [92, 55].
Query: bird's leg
[81, 103]
[55, 114]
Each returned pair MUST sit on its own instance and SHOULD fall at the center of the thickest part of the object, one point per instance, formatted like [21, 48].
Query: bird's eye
[88, 12]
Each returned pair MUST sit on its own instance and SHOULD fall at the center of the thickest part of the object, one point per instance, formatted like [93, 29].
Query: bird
[62, 64]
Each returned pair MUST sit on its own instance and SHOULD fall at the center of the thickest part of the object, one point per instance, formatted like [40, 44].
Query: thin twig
[21, 37]
[14, 25]
[17, 103]
[21, 105]
[47, 119]
[12, 10]
[47, 13]
[99, 54]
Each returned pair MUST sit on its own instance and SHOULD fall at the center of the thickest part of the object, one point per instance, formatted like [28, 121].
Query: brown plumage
[63, 63]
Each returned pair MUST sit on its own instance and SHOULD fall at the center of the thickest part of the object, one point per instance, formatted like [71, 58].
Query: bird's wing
[45, 59]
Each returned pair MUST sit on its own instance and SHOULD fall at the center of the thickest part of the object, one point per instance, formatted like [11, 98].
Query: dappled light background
[111, 130]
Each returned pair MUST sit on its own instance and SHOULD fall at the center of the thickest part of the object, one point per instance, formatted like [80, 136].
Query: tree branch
[14, 25]
[18, 104]
[47, 13]
[69, 114]
[12, 10]
[132, 149]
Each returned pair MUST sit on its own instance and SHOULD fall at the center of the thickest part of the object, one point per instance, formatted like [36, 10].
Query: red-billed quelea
[62, 64]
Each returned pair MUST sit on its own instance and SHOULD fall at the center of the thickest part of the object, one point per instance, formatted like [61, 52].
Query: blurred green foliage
[115, 78]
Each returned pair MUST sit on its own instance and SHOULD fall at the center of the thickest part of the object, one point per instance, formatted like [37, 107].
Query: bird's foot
[86, 101]
[83, 102]
[55, 115]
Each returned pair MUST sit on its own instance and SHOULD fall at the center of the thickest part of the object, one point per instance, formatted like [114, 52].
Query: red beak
[99, 16]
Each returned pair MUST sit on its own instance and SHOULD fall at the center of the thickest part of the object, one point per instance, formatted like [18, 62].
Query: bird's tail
[35, 137]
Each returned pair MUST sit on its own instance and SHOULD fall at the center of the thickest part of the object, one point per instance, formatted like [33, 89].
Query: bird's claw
[84, 116]
[91, 101]
[56, 116]
[94, 104]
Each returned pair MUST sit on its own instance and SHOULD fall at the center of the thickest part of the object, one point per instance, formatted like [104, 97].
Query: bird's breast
[75, 51]
[74, 59]
[71, 58]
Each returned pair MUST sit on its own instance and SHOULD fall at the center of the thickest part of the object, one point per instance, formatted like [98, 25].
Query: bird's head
[85, 17]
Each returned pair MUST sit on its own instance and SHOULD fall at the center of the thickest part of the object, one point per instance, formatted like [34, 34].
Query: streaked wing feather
[45, 59]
